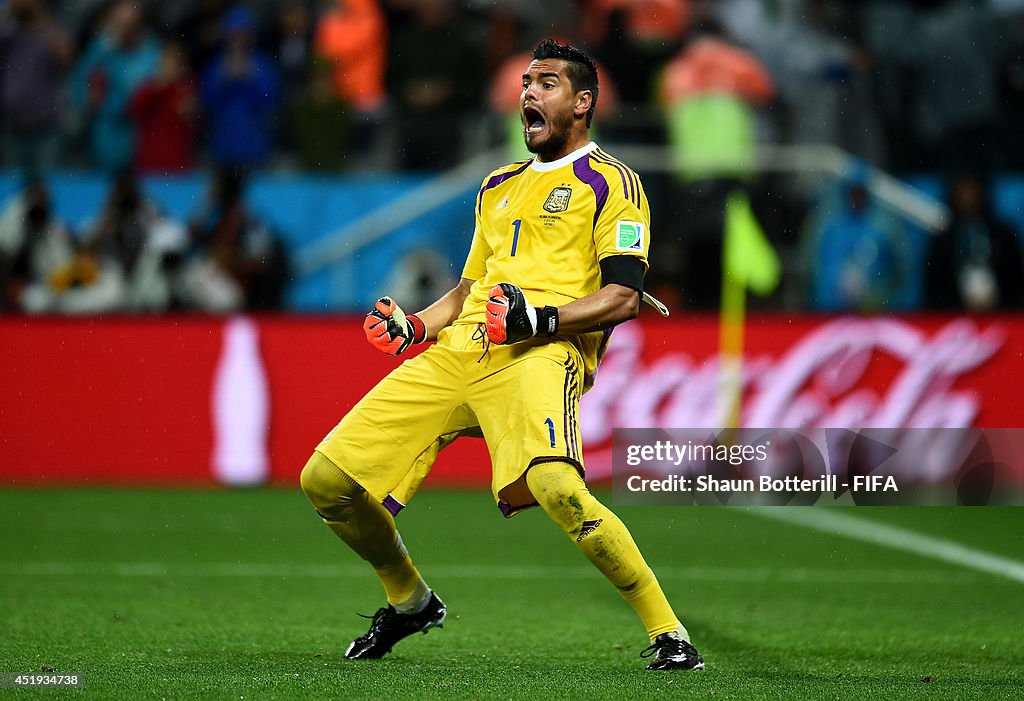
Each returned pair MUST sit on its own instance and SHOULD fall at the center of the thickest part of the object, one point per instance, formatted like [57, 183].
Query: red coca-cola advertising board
[199, 400]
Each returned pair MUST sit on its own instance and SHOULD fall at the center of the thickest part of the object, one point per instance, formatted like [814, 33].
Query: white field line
[497, 572]
[895, 538]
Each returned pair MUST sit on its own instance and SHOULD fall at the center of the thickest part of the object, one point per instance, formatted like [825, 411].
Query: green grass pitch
[246, 595]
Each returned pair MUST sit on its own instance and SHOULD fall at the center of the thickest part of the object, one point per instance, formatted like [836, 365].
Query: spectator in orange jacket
[710, 90]
[646, 21]
[353, 37]
[634, 38]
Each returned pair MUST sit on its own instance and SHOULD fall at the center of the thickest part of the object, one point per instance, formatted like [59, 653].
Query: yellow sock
[604, 540]
[366, 527]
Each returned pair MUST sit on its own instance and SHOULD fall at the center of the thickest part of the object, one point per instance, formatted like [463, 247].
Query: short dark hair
[580, 68]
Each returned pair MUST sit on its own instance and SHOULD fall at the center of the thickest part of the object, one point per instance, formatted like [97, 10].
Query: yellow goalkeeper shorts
[523, 399]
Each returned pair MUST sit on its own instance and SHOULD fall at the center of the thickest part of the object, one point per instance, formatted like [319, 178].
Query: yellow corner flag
[748, 261]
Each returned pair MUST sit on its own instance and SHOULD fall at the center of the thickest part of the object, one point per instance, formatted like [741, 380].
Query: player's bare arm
[609, 306]
[511, 318]
[393, 331]
[446, 309]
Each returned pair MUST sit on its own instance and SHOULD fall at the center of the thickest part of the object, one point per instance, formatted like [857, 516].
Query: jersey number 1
[515, 234]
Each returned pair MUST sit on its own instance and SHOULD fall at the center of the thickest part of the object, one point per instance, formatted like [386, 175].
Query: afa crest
[558, 200]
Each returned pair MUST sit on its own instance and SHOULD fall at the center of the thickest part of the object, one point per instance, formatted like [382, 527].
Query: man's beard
[558, 136]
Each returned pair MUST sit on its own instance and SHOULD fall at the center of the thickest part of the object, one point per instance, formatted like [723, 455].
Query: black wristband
[547, 321]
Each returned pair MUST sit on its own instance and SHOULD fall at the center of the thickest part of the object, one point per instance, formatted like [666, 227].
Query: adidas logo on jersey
[588, 528]
[502, 204]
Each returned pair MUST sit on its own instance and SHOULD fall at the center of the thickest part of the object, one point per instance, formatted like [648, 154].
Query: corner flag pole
[730, 349]
[748, 261]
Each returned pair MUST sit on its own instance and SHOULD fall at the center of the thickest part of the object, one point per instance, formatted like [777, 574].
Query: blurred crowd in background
[228, 88]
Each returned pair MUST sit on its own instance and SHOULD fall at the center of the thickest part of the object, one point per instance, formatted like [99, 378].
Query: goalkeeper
[557, 260]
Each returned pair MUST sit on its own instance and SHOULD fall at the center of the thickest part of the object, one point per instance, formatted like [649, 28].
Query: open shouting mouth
[534, 120]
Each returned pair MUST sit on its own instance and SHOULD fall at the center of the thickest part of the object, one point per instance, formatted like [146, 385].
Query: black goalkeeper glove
[511, 319]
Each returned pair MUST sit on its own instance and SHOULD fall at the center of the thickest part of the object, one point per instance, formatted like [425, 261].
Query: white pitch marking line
[895, 538]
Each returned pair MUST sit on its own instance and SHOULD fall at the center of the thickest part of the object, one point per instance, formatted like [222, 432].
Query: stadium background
[120, 423]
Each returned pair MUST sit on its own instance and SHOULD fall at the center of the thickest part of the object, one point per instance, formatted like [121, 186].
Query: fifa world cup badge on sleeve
[629, 236]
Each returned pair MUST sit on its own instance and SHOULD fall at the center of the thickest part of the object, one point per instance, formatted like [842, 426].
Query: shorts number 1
[551, 431]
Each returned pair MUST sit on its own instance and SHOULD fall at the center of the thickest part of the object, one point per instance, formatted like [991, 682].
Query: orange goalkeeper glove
[511, 319]
[390, 329]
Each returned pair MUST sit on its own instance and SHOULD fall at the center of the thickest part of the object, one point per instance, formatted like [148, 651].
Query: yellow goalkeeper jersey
[546, 226]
